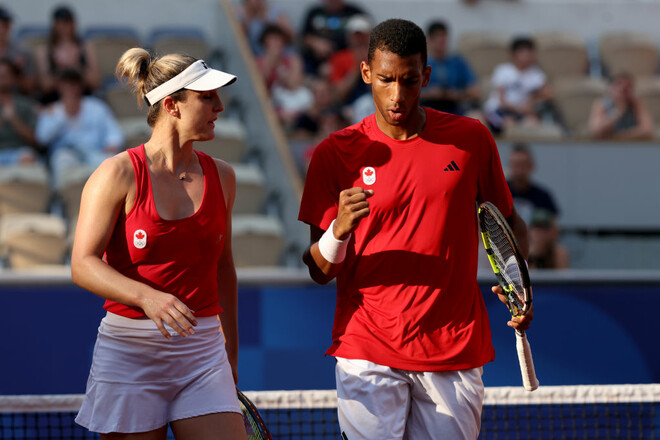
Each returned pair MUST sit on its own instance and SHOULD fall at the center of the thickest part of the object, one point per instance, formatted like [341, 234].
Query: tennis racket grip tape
[530, 382]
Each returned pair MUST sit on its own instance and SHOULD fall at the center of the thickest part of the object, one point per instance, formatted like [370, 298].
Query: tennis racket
[512, 275]
[254, 425]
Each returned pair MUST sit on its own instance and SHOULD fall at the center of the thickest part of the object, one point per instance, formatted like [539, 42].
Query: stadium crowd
[50, 105]
[315, 86]
[54, 111]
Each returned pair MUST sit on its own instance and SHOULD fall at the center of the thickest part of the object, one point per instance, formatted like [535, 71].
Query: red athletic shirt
[175, 256]
[407, 295]
[341, 64]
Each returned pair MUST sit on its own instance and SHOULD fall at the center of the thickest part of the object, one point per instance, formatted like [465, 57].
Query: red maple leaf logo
[368, 173]
[139, 235]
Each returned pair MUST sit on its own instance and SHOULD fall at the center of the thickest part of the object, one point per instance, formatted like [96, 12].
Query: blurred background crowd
[62, 111]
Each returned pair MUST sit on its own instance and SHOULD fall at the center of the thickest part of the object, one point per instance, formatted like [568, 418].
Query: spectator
[520, 89]
[545, 251]
[77, 129]
[344, 65]
[19, 57]
[324, 31]
[453, 87]
[291, 99]
[18, 117]
[284, 76]
[254, 15]
[361, 107]
[537, 207]
[620, 114]
[65, 50]
[308, 123]
[276, 62]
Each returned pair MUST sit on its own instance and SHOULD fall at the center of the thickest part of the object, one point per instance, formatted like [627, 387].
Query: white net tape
[566, 394]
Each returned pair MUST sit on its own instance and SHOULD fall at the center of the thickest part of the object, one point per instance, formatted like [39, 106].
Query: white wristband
[333, 250]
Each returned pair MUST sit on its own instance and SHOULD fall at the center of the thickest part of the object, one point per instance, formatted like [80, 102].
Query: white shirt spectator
[84, 139]
[518, 85]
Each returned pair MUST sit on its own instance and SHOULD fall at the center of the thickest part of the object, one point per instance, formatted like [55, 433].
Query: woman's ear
[171, 106]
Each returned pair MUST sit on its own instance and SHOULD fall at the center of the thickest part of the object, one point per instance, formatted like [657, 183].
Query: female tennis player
[154, 239]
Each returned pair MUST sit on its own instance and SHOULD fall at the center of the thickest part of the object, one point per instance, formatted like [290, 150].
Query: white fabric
[198, 76]
[140, 381]
[518, 85]
[333, 249]
[379, 402]
[87, 138]
[293, 101]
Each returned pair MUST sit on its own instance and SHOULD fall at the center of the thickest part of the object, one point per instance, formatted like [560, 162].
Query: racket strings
[506, 261]
[254, 425]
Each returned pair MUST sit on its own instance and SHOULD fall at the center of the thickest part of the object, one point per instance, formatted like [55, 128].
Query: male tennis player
[391, 203]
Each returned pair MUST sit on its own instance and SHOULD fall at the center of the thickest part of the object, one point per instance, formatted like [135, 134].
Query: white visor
[198, 76]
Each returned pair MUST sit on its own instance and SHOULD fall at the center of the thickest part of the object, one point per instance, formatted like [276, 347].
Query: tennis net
[563, 412]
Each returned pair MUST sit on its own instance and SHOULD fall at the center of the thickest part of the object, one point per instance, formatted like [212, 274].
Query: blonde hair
[144, 72]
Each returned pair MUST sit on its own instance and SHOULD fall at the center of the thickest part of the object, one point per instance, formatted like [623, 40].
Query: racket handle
[530, 382]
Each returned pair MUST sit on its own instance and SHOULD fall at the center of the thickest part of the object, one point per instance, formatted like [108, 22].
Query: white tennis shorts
[378, 402]
[141, 381]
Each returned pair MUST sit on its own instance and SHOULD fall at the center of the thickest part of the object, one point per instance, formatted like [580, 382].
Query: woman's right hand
[164, 308]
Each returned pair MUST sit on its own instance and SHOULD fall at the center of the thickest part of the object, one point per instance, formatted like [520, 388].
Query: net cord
[569, 394]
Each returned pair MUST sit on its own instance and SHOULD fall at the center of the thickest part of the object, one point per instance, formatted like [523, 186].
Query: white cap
[358, 23]
[198, 76]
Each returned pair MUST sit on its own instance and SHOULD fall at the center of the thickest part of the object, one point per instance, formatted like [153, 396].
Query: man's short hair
[273, 29]
[522, 43]
[401, 37]
[437, 26]
[523, 149]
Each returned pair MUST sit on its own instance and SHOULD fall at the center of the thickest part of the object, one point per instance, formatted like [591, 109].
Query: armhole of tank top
[135, 161]
[212, 167]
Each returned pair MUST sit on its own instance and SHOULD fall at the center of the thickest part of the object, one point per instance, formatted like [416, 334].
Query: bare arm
[644, 128]
[104, 196]
[44, 79]
[353, 207]
[92, 71]
[24, 130]
[227, 281]
[600, 124]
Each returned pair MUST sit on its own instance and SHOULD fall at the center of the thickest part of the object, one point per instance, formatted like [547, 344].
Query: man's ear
[366, 72]
[426, 76]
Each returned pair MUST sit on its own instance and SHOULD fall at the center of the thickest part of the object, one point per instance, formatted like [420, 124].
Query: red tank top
[175, 256]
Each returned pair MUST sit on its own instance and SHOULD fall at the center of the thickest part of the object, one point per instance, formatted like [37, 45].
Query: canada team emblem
[369, 176]
[140, 239]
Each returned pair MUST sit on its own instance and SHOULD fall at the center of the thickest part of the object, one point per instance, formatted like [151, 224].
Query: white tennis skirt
[141, 381]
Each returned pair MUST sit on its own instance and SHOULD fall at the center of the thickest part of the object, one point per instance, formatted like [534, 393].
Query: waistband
[203, 322]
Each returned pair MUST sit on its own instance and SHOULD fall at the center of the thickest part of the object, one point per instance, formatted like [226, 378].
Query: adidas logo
[452, 167]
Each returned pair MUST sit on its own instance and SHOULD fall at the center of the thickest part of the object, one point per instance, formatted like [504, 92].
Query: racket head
[254, 425]
[505, 258]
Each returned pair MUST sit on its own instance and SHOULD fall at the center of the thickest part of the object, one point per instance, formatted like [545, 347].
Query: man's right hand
[353, 207]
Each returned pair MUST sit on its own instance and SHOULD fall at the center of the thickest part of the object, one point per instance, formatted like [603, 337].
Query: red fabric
[277, 75]
[341, 64]
[180, 256]
[407, 295]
